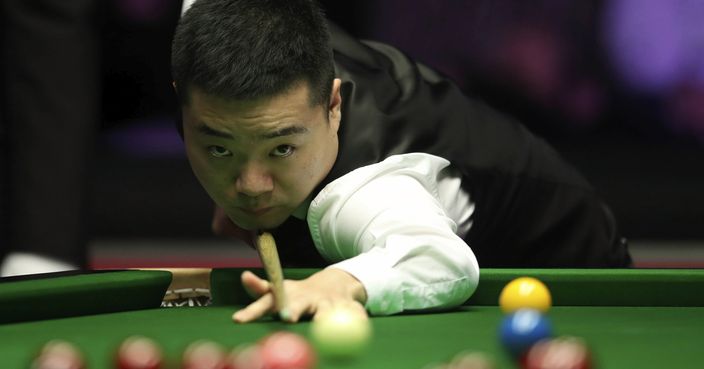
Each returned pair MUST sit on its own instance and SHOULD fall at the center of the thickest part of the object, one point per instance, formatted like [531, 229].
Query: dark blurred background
[617, 86]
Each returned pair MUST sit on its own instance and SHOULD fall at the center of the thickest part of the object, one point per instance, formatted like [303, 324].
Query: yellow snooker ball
[341, 333]
[525, 292]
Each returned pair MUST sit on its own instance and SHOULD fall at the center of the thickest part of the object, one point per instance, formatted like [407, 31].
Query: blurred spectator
[538, 59]
[49, 106]
[564, 67]
[657, 49]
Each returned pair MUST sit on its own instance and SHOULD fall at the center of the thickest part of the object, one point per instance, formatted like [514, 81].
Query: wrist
[343, 281]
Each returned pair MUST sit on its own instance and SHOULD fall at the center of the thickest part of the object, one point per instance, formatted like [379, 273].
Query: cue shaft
[270, 258]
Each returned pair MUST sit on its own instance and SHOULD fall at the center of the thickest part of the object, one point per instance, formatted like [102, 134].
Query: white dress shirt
[397, 227]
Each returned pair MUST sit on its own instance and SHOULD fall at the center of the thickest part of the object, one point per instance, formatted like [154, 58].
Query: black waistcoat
[532, 209]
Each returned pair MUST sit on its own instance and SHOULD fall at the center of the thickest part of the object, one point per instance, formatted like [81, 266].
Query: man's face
[260, 159]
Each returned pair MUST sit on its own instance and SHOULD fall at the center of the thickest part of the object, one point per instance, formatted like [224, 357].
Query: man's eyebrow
[207, 130]
[286, 131]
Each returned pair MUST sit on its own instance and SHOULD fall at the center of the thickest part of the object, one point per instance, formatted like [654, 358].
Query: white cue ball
[341, 333]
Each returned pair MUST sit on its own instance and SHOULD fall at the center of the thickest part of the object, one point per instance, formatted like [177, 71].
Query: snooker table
[631, 318]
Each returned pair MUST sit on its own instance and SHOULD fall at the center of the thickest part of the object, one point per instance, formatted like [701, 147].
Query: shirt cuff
[390, 291]
[376, 277]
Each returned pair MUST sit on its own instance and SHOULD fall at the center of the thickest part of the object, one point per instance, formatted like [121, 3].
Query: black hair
[251, 49]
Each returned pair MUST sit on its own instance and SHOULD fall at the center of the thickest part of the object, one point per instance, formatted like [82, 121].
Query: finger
[298, 308]
[255, 310]
[255, 286]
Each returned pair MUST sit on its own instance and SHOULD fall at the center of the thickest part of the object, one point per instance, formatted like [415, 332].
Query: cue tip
[285, 315]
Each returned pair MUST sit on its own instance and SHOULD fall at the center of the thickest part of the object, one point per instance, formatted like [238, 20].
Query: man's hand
[314, 296]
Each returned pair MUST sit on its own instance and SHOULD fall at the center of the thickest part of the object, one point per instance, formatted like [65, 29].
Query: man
[406, 185]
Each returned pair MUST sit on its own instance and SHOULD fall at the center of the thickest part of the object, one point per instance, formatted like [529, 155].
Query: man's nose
[254, 180]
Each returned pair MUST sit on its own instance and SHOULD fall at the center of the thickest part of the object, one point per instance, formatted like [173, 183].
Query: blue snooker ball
[521, 329]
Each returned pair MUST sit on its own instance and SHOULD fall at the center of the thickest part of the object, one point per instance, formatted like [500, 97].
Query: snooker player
[361, 160]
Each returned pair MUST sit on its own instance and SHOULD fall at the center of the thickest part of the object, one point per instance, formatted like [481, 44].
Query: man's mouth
[255, 211]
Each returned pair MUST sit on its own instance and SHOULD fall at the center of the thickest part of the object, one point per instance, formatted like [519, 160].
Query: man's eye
[282, 151]
[218, 151]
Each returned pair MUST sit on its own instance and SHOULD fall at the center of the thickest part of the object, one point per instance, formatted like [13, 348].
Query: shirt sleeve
[385, 225]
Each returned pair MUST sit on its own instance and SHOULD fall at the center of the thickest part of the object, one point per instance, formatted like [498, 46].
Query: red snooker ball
[471, 360]
[287, 350]
[203, 354]
[558, 353]
[58, 354]
[138, 352]
[246, 356]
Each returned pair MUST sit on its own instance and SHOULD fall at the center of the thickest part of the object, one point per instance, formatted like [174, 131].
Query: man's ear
[335, 107]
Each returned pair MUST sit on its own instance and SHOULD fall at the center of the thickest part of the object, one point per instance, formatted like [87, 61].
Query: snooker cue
[270, 258]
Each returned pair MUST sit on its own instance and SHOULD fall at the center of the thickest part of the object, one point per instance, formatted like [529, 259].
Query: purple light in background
[658, 48]
[653, 43]
[153, 139]
[143, 10]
